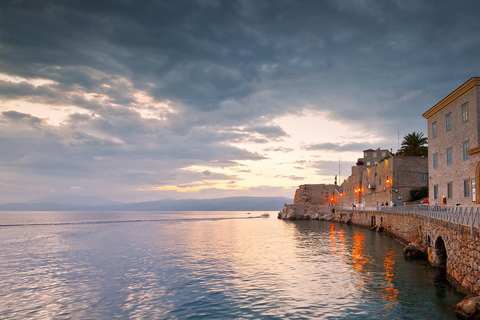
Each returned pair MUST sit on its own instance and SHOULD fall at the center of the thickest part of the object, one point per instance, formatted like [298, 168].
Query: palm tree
[414, 144]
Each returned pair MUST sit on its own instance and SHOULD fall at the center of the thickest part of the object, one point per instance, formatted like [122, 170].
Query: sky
[148, 100]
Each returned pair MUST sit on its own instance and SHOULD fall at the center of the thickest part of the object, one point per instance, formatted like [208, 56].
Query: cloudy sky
[147, 100]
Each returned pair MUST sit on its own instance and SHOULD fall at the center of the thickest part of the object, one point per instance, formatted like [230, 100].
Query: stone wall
[446, 244]
[316, 194]
[461, 253]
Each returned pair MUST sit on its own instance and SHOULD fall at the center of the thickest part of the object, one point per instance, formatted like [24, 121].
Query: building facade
[390, 181]
[454, 146]
[386, 181]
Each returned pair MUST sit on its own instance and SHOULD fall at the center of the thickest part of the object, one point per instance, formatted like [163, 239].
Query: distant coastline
[217, 204]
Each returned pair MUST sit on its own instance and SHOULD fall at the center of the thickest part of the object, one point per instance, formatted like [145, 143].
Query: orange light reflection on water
[390, 293]
[333, 243]
[358, 257]
[342, 242]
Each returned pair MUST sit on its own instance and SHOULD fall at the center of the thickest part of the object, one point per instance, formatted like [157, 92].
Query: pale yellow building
[454, 146]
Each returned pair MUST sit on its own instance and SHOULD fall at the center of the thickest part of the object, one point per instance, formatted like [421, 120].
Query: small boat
[265, 215]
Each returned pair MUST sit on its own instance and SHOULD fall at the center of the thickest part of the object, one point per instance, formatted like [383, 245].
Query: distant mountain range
[82, 203]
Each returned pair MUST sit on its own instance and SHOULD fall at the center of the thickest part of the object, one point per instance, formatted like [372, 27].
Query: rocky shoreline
[306, 212]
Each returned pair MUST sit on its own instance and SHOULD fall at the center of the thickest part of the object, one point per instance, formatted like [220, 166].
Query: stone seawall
[457, 248]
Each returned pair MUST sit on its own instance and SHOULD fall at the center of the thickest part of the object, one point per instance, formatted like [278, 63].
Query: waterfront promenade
[450, 235]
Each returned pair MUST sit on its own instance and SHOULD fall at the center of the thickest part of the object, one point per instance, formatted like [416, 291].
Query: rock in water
[468, 308]
[415, 250]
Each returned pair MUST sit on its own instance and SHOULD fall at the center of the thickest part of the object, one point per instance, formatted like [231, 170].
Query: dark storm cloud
[225, 69]
[205, 55]
[19, 116]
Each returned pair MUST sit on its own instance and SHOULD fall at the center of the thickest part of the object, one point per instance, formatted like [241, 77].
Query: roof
[368, 150]
[457, 93]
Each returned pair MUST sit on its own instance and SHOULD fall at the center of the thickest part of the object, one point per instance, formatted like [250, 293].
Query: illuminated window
[466, 188]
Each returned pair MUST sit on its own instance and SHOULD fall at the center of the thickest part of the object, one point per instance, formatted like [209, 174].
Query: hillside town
[448, 175]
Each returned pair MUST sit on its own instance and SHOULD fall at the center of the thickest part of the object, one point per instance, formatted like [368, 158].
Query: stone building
[386, 180]
[390, 181]
[372, 157]
[317, 194]
[454, 146]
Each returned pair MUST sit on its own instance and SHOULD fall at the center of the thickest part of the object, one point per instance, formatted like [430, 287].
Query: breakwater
[449, 237]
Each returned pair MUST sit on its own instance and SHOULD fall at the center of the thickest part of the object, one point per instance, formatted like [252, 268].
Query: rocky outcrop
[306, 212]
[468, 308]
[415, 250]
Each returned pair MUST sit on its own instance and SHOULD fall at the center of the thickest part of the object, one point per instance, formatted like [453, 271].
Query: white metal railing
[455, 215]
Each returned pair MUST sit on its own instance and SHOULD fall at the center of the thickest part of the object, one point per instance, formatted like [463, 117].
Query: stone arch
[437, 254]
[428, 241]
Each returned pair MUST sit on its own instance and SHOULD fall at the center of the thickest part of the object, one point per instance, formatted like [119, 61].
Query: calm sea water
[225, 265]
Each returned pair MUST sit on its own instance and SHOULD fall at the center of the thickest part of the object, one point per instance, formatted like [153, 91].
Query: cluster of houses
[451, 171]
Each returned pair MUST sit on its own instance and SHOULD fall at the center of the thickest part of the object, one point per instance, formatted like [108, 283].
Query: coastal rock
[415, 250]
[305, 212]
[468, 308]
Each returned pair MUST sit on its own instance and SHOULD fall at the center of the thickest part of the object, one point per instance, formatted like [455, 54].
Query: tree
[414, 144]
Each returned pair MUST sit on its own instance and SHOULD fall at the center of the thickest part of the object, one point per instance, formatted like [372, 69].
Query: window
[434, 130]
[466, 188]
[374, 154]
[466, 146]
[423, 177]
[435, 192]
[450, 190]
[435, 161]
[449, 156]
[383, 153]
[465, 112]
[368, 163]
[448, 122]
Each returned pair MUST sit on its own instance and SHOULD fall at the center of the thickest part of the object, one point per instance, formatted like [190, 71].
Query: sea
[209, 265]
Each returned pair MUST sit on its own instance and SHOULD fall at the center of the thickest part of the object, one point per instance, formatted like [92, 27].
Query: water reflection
[390, 293]
[333, 240]
[358, 258]
[228, 268]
